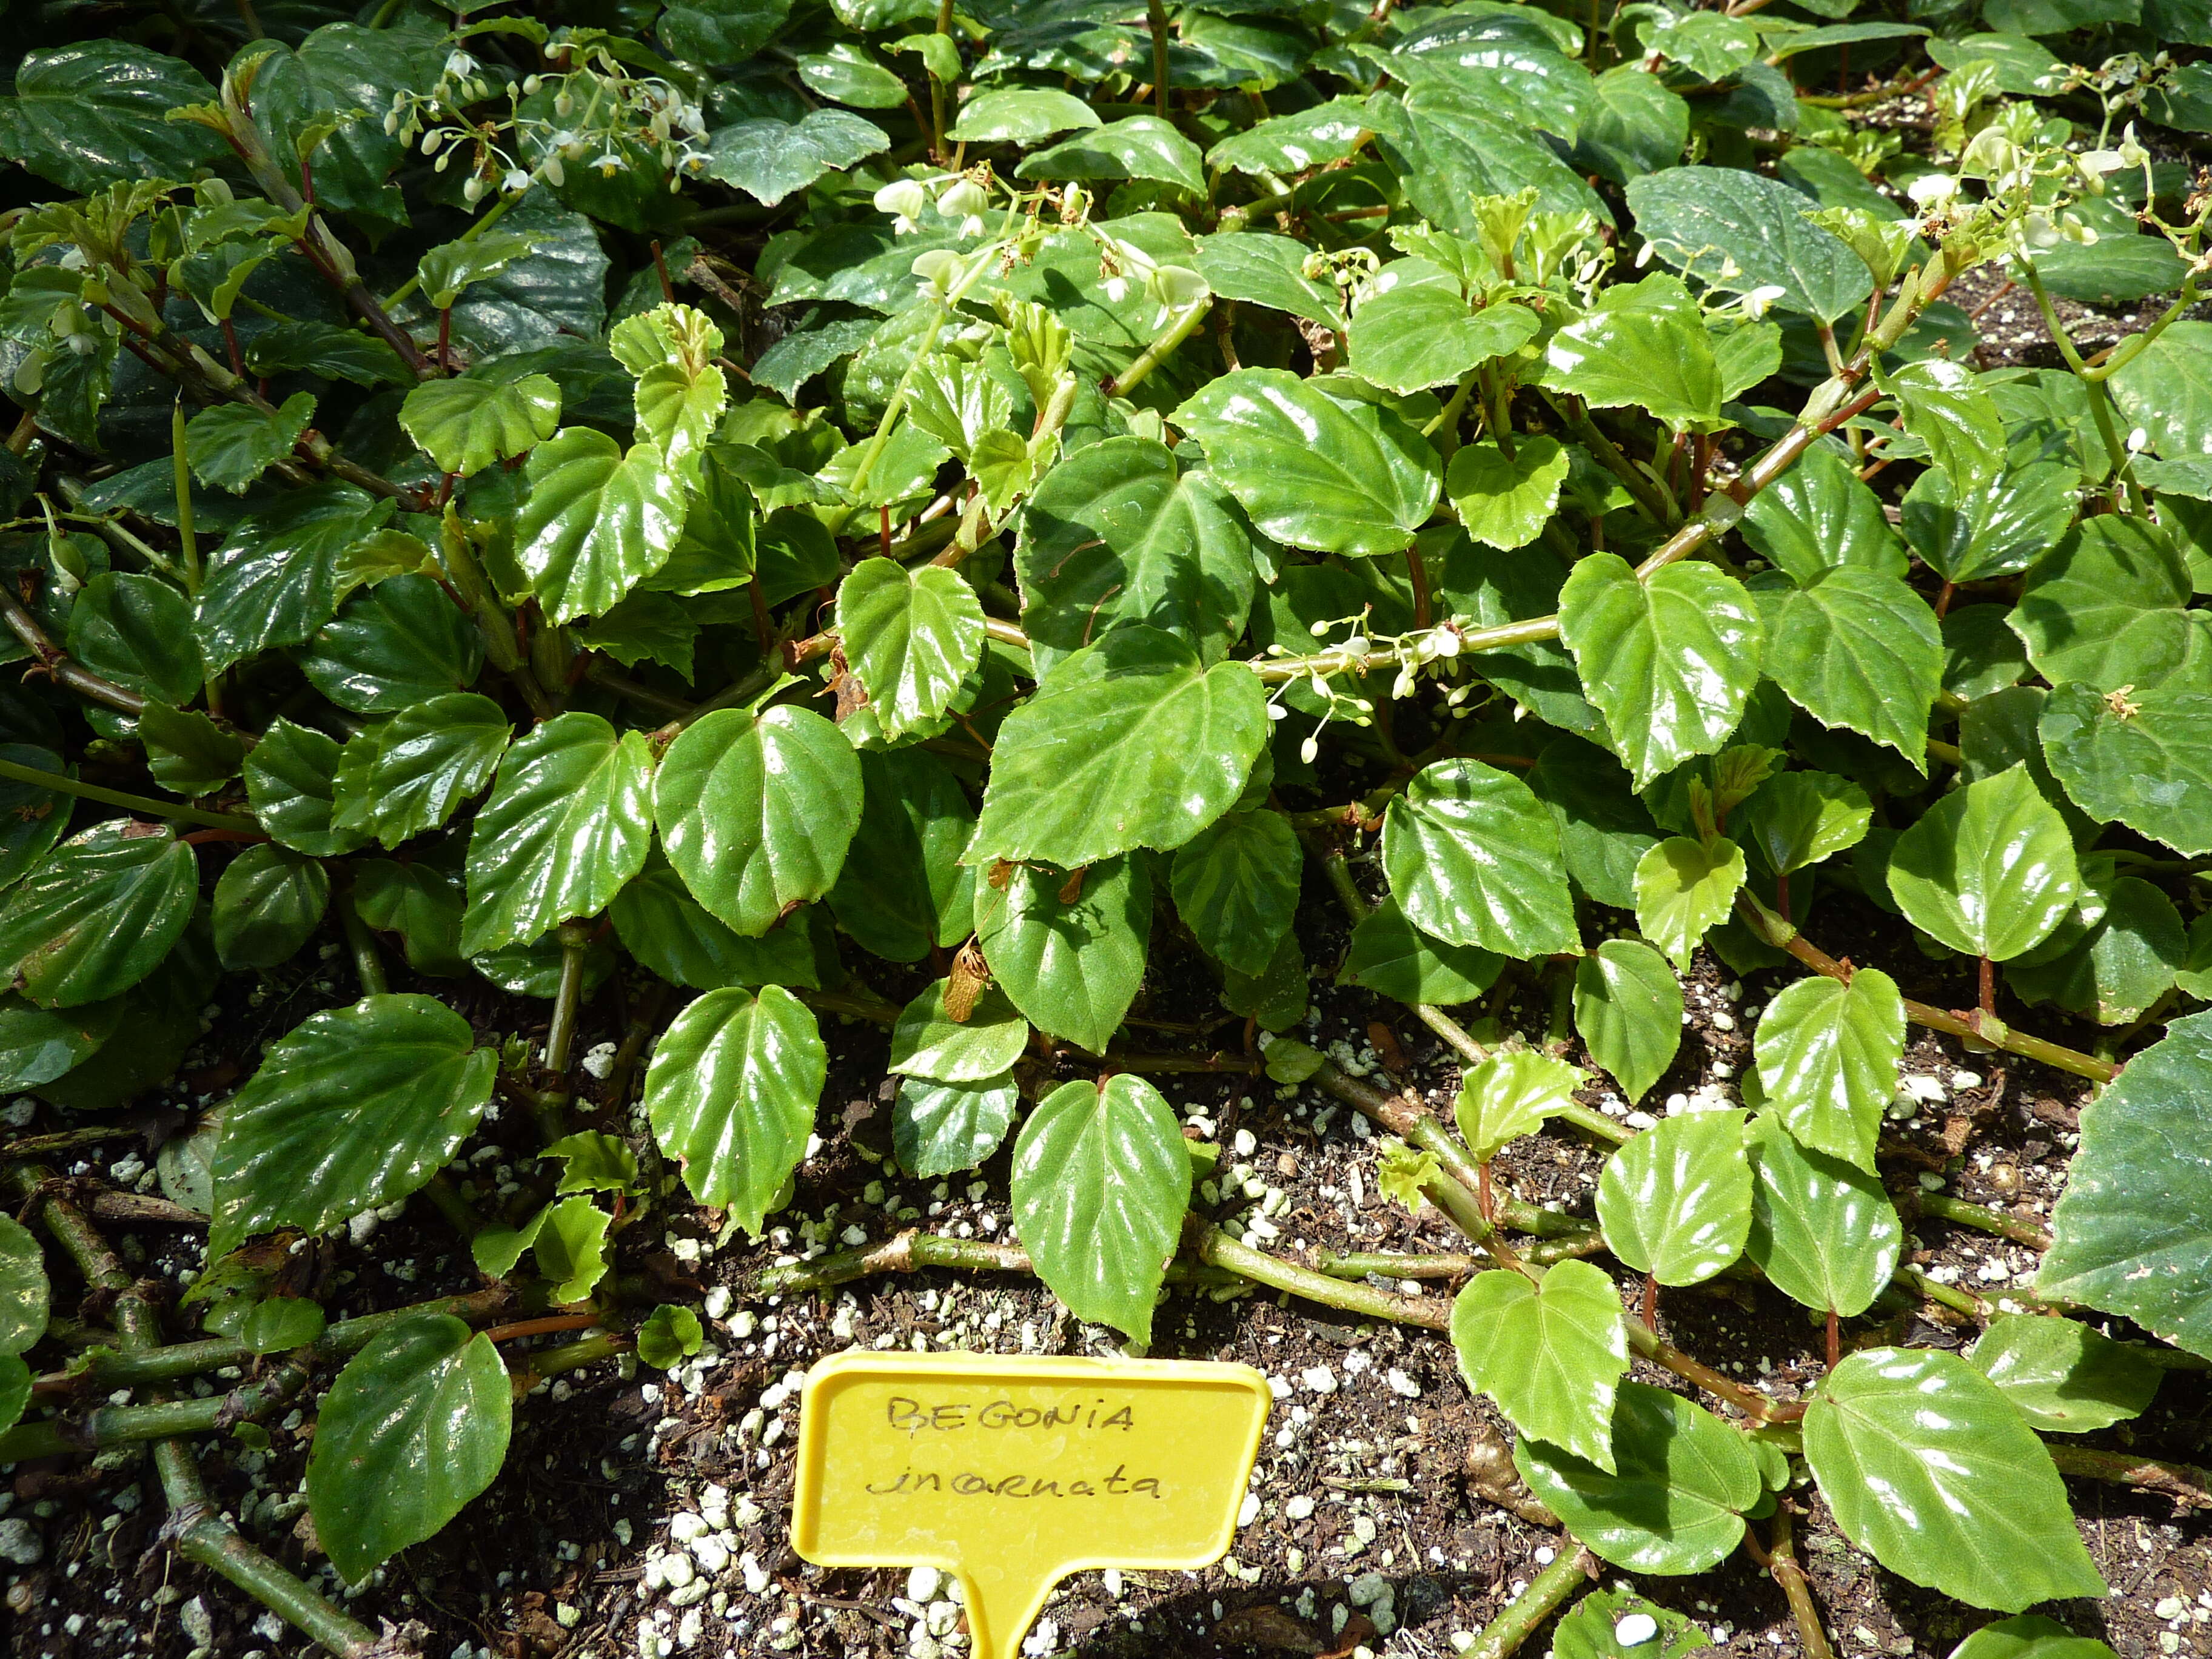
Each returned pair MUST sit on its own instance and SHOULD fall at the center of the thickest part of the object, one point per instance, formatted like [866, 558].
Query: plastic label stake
[1011, 1473]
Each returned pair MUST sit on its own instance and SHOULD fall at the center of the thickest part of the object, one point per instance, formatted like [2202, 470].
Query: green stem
[566, 1357]
[2184, 1483]
[116, 1426]
[1358, 1264]
[1985, 1219]
[1187, 319]
[368, 962]
[183, 484]
[490, 216]
[1572, 1569]
[59, 666]
[1217, 1250]
[15, 773]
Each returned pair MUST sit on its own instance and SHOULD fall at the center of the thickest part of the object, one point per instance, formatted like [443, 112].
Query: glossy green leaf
[274, 580]
[928, 1042]
[1450, 145]
[231, 444]
[592, 1161]
[1635, 124]
[671, 935]
[1821, 1229]
[282, 1323]
[847, 75]
[2110, 608]
[1827, 1059]
[1503, 501]
[1669, 662]
[596, 522]
[1417, 330]
[98, 914]
[2063, 1376]
[940, 1128]
[1628, 1011]
[1819, 515]
[1275, 1000]
[267, 903]
[465, 425]
[566, 825]
[2030, 1636]
[2140, 757]
[1511, 1095]
[756, 812]
[1135, 147]
[1675, 1202]
[732, 1091]
[1797, 819]
[2111, 969]
[1116, 533]
[1236, 887]
[1926, 1465]
[769, 159]
[1661, 362]
[1258, 269]
[1100, 1180]
[355, 1107]
[86, 114]
[420, 902]
[2166, 390]
[1550, 1354]
[37, 1045]
[2131, 1235]
[393, 646]
[1860, 650]
[1072, 965]
[1592, 1628]
[289, 780]
[669, 1335]
[902, 888]
[1674, 1501]
[187, 751]
[1700, 216]
[1603, 828]
[2004, 526]
[1474, 859]
[1392, 958]
[1684, 889]
[1292, 144]
[416, 1426]
[567, 1239]
[137, 631]
[23, 1289]
[910, 637]
[1988, 870]
[1132, 742]
[434, 755]
[681, 390]
[1312, 469]
[31, 819]
[1020, 116]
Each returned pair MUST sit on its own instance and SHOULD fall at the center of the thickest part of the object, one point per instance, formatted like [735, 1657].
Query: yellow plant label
[1012, 1473]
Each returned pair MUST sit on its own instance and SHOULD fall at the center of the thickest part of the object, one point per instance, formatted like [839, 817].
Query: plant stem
[184, 485]
[116, 1426]
[59, 666]
[566, 1357]
[1781, 1562]
[1217, 1250]
[368, 962]
[1358, 1264]
[1985, 1219]
[1572, 1569]
[1156, 17]
[147, 805]
[1185, 320]
[2184, 1483]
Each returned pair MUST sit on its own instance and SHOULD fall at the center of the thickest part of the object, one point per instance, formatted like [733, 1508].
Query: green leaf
[1635, 124]
[2113, 968]
[188, 753]
[1100, 1180]
[1989, 870]
[720, 32]
[1939, 402]
[2031, 1635]
[2166, 390]
[671, 935]
[1073, 967]
[769, 159]
[1131, 742]
[1591, 1630]
[1684, 888]
[31, 819]
[1511, 1095]
[2131, 1235]
[597, 521]
[1819, 515]
[1292, 144]
[451, 269]
[37, 1045]
[421, 903]
[910, 637]
[434, 755]
[416, 1426]
[2110, 608]
[756, 812]
[1020, 115]
[681, 390]
[99, 913]
[1312, 469]
[1821, 1229]
[1661, 362]
[1603, 828]
[231, 444]
[274, 580]
[1235, 886]
[1474, 859]
[1797, 819]
[1698, 216]
[1262, 270]
[1628, 1011]
[1675, 1202]
[2064, 1377]
[669, 1335]
[1135, 147]
[730, 1093]
[355, 1107]
[1417, 330]
[137, 631]
[88, 114]
[394, 646]
[23, 1290]
[1675, 1502]
[1827, 1059]
[289, 781]
[1858, 650]
[1926, 1465]
[592, 1161]
[1981, 653]
[568, 1241]
[1116, 533]
[2004, 526]
[465, 425]
[928, 1042]
[1450, 147]
[1550, 1354]
[1505, 502]
[903, 888]
[1275, 999]
[268, 904]
[567, 823]
[847, 75]
[1394, 958]
[1670, 662]
[282, 1323]
[939, 1128]
[2141, 758]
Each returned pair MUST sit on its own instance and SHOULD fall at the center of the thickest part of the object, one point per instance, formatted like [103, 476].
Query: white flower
[2136, 440]
[1309, 749]
[965, 200]
[1176, 288]
[472, 191]
[460, 65]
[2095, 163]
[905, 200]
[2040, 230]
[1932, 189]
[609, 162]
[552, 170]
[1757, 302]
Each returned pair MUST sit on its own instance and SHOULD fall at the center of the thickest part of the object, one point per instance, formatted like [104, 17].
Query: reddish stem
[1835, 1341]
[542, 1326]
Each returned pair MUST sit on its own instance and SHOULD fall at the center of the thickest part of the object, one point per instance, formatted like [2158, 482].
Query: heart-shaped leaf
[291, 780]
[1550, 1354]
[1675, 1202]
[1858, 649]
[1684, 888]
[938, 1128]
[99, 913]
[434, 755]
[1827, 1059]
[597, 521]
[2110, 608]
[1821, 1229]
[465, 425]
[1988, 870]
[1070, 952]
[1511, 1095]
[2141, 758]
[267, 904]
[1628, 1010]
[910, 637]
[1503, 501]
[1474, 859]
[1417, 330]
[1235, 886]
[2063, 1376]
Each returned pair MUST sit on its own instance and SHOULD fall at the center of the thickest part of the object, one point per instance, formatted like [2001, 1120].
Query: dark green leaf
[88, 114]
[2143, 758]
[137, 631]
[1989, 870]
[732, 1091]
[1819, 515]
[1702, 215]
[2110, 608]
[671, 935]
[267, 903]
[289, 780]
[433, 756]
[99, 913]
[231, 444]
[274, 580]
[769, 159]
[1236, 887]
[1394, 958]
[1072, 965]
[396, 644]
[187, 752]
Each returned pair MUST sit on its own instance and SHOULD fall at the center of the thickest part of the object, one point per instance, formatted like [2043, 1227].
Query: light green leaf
[1591, 1630]
[1504, 502]
[1550, 1354]
[756, 812]
[732, 1092]
[1821, 1229]
[566, 825]
[1312, 469]
[1796, 819]
[567, 1239]
[433, 756]
[231, 444]
[1072, 965]
[449, 269]
[592, 1161]
[2141, 758]
[1819, 515]
[911, 636]
[1417, 330]
[1394, 958]
[2109, 607]
[416, 1426]
[1926, 1465]
[596, 522]
[98, 914]
[1675, 1202]
[1474, 859]
[355, 1107]
[2064, 1377]
[465, 425]
[1132, 742]
[23, 1290]
[1258, 269]
[1292, 144]
[1100, 1181]
[669, 1335]
[1135, 147]
[2167, 389]
[2031, 1635]
[1020, 115]
[1827, 1058]
[1511, 1095]
[1661, 362]
[681, 389]
[267, 903]
[939, 1128]
[1989, 870]
[769, 159]
[1940, 403]
[2006, 525]
[928, 1042]
[2113, 968]
[1684, 888]
[1628, 1010]
[1236, 887]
